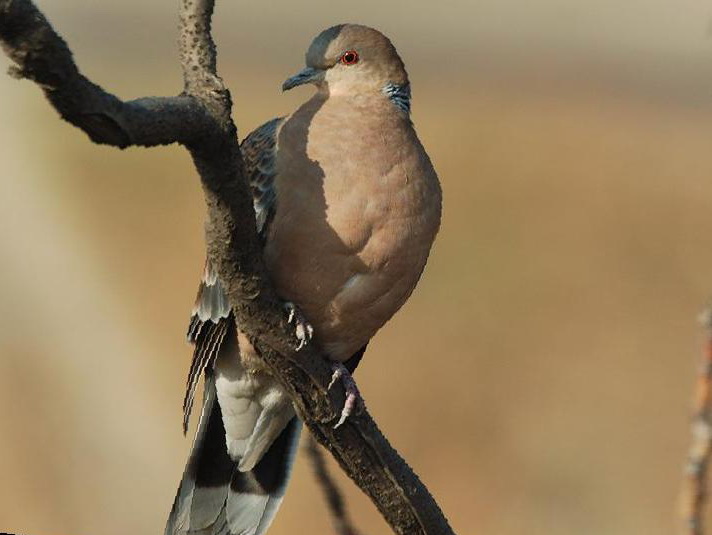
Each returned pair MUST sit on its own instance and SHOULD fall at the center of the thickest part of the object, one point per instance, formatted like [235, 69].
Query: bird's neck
[392, 100]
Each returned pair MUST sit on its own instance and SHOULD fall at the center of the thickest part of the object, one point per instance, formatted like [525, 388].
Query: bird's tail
[214, 497]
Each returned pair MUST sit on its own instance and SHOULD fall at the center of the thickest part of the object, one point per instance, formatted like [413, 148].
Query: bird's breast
[358, 207]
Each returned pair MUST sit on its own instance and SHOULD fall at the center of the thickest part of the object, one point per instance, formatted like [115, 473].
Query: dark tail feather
[214, 497]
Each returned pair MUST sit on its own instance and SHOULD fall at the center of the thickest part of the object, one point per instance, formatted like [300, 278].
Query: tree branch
[200, 119]
[42, 56]
[694, 497]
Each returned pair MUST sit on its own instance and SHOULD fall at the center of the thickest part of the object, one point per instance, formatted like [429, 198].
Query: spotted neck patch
[399, 95]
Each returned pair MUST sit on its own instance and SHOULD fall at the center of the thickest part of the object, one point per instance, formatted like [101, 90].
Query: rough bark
[200, 119]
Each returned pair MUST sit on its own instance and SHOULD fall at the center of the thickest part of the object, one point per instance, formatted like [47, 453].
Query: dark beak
[306, 76]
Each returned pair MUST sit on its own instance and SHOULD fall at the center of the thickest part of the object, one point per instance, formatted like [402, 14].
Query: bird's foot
[302, 328]
[353, 396]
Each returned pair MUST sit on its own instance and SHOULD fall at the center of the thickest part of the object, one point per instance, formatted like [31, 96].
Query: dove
[347, 206]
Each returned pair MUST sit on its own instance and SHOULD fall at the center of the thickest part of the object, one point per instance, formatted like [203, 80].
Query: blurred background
[540, 378]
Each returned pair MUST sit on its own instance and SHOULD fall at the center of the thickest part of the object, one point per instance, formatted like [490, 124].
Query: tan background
[540, 378]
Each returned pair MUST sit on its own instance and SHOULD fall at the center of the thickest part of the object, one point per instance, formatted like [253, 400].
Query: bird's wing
[211, 314]
[259, 156]
[209, 323]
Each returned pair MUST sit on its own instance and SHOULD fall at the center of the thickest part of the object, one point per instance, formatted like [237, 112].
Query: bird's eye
[350, 57]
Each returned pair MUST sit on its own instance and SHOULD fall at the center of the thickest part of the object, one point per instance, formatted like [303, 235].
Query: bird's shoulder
[259, 155]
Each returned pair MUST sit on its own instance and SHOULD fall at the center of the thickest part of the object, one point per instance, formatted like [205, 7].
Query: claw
[353, 396]
[302, 328]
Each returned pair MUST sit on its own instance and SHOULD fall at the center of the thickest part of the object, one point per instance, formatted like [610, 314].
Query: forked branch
[200, 119]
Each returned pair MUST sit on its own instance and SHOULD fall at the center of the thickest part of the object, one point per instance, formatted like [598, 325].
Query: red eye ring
[349, 57]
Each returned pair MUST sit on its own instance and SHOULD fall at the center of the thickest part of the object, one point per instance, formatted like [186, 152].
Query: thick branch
[201, 120]
[42, 56]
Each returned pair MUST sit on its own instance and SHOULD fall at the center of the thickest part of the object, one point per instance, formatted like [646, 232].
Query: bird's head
[351, 59]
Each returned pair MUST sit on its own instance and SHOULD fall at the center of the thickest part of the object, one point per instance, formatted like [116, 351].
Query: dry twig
[200, 119]
[695, 492]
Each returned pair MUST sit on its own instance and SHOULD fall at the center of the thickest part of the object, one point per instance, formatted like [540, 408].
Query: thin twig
[695, 494]
[334, 499]
[200, 119]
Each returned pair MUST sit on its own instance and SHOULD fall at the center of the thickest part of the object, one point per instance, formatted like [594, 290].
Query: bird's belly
[353, 276]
